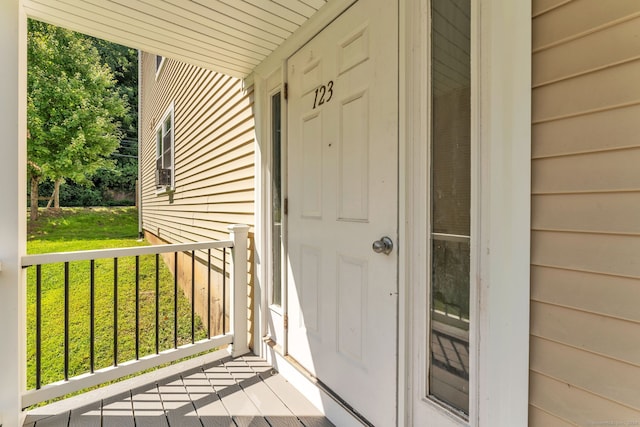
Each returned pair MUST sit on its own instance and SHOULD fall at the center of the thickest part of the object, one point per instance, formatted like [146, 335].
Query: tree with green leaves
[123, 61]
[72, 106]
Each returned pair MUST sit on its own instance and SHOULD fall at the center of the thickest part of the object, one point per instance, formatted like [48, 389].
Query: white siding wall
[585, 273]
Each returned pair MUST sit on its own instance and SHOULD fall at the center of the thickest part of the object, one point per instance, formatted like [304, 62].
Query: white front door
[342, 197]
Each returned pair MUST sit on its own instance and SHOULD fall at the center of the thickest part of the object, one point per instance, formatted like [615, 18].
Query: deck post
[239, 294]
[13, 110]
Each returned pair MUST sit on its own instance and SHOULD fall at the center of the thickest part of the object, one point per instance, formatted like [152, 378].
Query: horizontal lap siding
[585, 274]
[214, 152]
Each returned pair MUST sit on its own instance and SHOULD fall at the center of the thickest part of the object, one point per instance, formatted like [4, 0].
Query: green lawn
[76, 229]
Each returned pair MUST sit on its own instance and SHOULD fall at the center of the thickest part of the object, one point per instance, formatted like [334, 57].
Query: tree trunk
[34, 198]
[51, 198]
[56, 194]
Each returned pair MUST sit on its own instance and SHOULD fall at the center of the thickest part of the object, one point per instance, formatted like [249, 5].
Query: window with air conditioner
[165, 179]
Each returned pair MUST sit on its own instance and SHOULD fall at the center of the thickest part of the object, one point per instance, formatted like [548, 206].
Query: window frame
[159, 65]
[160, 130]
[274, 267]
[454, 234]
[272, 338]
[500, 221]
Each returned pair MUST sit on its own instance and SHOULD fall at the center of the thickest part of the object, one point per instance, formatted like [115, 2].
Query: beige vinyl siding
[214, 167]
[585, 273]
[214, 152]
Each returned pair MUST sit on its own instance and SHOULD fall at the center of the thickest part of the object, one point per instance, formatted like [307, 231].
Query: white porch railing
[237, 336]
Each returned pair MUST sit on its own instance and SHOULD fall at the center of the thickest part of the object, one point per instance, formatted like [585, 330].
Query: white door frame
[270, 86]
[500, 171]
[501, 202]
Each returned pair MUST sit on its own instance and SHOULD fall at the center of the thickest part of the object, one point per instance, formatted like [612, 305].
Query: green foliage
[99, 193]
[72, 194]
[84, 229]
[123, 61]
[76, 112]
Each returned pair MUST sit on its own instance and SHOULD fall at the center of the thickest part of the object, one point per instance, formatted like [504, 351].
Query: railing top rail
[29, 260]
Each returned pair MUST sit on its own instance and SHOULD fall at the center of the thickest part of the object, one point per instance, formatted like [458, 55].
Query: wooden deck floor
[226, 392]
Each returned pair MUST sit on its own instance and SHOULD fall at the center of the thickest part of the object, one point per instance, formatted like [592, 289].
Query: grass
[76, 226]
[76, 229]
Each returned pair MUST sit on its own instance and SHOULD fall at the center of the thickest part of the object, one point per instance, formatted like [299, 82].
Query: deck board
[178, 404]
[117, 412]
[59, 420]
[242, 392]
[87, 416]
[208, 405]
[319, 421]
[148, 409]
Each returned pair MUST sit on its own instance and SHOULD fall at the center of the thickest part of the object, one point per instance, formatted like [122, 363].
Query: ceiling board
[229, 36]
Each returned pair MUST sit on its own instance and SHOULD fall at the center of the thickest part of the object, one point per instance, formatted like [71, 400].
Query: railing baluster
[66, 321]
[137, 307]
[92, 320]
[208, 293]
[115, 312]
[38, 326]
[175, 300]
[157, 303]
[193, 297]
[224, 291]
[98, 376]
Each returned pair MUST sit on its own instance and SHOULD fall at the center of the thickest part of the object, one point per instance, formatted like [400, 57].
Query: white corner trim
[140, 152]
[504, 128]
[13, 173]
[260, 225]
[248, 83]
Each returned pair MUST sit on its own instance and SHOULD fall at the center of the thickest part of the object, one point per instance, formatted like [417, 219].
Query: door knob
[383, 246]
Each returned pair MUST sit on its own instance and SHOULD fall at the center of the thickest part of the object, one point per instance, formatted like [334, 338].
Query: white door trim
[501, 143]
[502, 29]
[272, 326]
[504, 128]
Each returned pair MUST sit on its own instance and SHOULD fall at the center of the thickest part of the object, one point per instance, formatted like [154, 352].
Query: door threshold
[326, 389]
[338, 410]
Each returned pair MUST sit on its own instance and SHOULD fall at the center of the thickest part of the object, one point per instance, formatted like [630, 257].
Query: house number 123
[324, 94]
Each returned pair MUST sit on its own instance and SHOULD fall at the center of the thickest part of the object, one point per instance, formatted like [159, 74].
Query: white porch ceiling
[229, 36]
